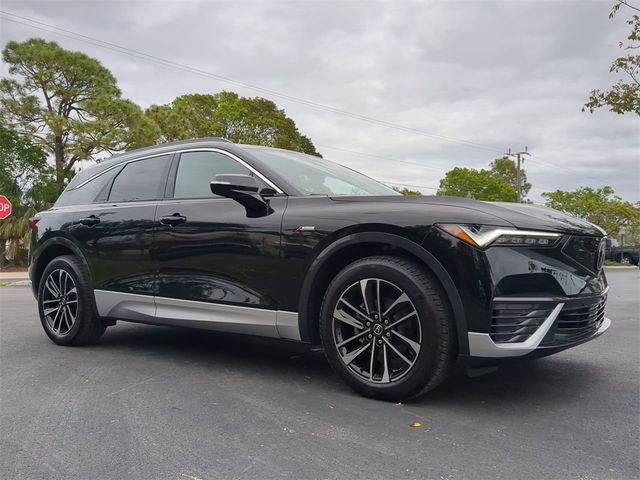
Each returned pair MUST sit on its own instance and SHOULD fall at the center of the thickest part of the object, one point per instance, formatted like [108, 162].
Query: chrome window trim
[199, 149]
[124, 162]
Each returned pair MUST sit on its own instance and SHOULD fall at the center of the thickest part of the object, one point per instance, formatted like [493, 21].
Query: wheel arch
[354, 246]
[47, 251]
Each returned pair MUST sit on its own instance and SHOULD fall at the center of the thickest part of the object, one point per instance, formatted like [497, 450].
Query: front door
[217, 268]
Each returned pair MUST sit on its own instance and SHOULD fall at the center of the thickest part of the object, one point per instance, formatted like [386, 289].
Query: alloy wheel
[376, 330]
[60, 302]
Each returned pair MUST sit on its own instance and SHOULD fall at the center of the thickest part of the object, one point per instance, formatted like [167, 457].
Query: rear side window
[140, 180]
[89, 192]
[197, 169]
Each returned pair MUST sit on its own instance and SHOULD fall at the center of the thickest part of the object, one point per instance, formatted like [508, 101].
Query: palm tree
[15, 232]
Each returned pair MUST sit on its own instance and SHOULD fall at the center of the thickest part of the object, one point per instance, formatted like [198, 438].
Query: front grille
[579, 321]
[515, 322]
[587, 251]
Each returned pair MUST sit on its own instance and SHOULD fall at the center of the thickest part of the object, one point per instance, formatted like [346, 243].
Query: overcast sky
[500, 74]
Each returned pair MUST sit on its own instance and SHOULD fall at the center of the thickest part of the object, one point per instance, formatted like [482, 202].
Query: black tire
[86, 327]
[627, 260]
[435, 357]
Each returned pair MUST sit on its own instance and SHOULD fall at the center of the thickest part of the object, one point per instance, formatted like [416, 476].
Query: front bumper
[481, 345]
[521, 302]
[521, 325]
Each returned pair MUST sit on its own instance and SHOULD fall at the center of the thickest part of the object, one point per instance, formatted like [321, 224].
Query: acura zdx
[262, 241]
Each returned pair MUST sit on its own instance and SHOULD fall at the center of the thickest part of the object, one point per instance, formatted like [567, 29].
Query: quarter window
[90, 192]
[139, 180]
[197, 169]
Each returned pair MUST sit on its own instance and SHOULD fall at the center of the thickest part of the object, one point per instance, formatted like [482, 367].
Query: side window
[197, 169]
[140, 180]
[90, 192]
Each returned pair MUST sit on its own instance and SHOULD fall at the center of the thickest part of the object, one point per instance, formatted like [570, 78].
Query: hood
[520, 215]
[545, 218]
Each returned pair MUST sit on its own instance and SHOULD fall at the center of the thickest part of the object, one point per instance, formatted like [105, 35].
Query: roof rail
[204, 139]
[160, 146]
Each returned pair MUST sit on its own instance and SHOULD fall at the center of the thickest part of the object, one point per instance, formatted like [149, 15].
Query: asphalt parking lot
[154, 403]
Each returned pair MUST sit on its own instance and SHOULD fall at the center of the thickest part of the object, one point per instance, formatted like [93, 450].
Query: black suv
[262, 241]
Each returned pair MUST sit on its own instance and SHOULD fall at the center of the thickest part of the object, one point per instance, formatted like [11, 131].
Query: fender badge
[305, 228]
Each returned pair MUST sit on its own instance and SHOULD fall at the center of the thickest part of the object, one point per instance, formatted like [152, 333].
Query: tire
[421, 316]
[66, 305]
[627, 260]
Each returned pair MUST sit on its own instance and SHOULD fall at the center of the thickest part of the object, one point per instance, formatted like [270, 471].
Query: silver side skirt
[188, 313]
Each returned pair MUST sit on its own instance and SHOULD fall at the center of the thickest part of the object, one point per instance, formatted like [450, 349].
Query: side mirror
[231, 186]
[244, 190]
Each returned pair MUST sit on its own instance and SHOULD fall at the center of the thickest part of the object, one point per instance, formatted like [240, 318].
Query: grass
[611, 263]
[5, 284]
[13, 268]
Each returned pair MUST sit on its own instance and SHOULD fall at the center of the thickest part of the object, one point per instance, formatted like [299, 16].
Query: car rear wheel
[65, 303]
[386, 328]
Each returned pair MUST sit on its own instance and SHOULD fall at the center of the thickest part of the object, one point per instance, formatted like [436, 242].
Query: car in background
[628, 255]
[262, 241]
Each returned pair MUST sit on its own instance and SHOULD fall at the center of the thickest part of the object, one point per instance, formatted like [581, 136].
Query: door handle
[175, 219]
[90, 221]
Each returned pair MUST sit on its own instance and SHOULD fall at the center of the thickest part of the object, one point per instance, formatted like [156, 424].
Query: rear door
[217, 267]
[116, 232]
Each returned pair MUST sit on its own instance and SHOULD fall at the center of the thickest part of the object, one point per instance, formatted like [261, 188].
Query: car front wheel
[65, 303]
[386, 328]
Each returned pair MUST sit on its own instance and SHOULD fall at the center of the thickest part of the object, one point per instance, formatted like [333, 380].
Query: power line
[182, 67]
[386, 159]
[168, 63]
[558, 167]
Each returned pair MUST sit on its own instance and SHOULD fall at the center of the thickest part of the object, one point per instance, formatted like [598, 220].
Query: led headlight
[485, 235]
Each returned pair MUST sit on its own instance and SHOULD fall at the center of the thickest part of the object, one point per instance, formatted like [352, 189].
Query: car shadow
[216, 349]
[558, 379]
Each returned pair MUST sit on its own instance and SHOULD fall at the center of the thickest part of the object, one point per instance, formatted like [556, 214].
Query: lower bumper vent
[579, 321]
[515, 322]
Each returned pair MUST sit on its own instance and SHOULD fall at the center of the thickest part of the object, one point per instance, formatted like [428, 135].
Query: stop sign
[5, 207]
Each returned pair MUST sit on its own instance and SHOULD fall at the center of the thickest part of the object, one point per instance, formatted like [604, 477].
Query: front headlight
[483, 236]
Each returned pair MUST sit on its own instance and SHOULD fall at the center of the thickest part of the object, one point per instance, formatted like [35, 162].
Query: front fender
[306, 319]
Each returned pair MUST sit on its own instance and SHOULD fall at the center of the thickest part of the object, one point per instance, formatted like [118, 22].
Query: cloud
[504, 74]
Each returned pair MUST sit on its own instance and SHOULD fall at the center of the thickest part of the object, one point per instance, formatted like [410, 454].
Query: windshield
[317, 176]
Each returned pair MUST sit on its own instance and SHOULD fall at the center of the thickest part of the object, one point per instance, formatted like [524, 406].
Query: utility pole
[519, 163]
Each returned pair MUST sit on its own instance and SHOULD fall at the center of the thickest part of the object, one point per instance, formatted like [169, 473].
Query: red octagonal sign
[5, 207]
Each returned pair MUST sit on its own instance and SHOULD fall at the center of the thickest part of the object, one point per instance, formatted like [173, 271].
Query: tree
[476, 184]
[406, 191]
[69, 104]
[21, 164]
[624, 95]
[506, 169]
[600, 206]
[496, 184]
[256, 121]
[28, 181]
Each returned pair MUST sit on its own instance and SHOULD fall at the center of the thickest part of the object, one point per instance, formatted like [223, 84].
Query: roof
[89, 172]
